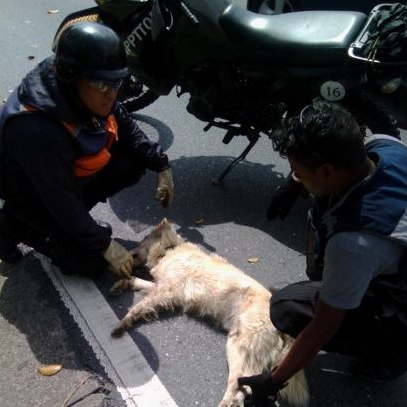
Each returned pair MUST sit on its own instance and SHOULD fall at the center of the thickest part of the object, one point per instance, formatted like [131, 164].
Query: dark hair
[322, 133]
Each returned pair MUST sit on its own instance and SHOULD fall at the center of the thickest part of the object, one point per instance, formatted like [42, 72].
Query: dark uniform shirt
[37, 154]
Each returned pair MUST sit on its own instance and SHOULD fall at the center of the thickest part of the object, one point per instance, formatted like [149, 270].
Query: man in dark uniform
[356, 303]
[67, 144]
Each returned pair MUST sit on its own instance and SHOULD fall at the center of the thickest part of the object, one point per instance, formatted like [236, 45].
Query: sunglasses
[104, 86]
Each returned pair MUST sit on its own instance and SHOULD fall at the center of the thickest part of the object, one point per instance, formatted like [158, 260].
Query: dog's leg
[135, 284]
[248, 355]
[147, 308]
[236, 349]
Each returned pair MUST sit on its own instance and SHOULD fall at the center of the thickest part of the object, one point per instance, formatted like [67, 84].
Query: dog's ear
[160, 228]
[169, 237]
[164, 224]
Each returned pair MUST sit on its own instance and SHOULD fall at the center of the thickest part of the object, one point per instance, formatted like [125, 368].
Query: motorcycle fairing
[192, 45]
[303, 38]
[121, 8]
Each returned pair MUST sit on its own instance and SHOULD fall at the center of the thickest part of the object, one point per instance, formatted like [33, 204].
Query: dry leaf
[253, 260]
[200, 221]
[30, 57]
[49, 370]
[53, 11]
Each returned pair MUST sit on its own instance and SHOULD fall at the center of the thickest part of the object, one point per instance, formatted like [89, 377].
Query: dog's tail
[296, 391]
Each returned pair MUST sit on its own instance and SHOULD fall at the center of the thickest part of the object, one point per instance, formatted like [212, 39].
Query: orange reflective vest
[91, 164]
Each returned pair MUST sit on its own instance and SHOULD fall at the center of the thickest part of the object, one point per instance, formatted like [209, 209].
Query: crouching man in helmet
[67, 144]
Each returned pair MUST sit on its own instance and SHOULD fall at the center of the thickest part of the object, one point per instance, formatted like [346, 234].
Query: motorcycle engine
[202, 103]
[236, 99]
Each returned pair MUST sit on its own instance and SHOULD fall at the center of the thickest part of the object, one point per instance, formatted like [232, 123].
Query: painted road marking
[122, 360]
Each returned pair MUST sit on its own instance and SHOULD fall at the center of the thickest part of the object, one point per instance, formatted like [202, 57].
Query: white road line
[121, 358]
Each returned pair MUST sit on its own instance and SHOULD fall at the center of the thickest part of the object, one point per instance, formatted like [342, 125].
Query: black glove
[284, 198]
[264, 389]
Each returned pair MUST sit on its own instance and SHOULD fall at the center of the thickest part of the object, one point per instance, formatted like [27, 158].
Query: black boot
[9, 251]
[54, 249]
[104, 225]
[388, 359]
[14, 231]
[381, 370]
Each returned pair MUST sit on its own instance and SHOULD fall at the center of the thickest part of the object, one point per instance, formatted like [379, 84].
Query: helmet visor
[108, 75]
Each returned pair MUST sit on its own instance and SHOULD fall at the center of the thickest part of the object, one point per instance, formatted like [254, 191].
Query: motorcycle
[243, 71]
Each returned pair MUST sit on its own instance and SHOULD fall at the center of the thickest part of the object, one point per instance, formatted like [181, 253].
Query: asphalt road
[187, 354]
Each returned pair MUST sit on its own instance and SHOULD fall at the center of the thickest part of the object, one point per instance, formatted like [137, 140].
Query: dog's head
[154, 246]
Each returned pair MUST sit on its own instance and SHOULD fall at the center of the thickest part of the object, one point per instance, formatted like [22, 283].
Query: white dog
[187, 278]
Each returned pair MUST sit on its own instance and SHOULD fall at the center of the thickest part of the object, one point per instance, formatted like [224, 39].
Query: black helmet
[93, 50]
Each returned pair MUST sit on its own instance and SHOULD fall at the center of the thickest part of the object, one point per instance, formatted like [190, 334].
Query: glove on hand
[284, 198]
[264, 389]
[165, 187]
[120, 260]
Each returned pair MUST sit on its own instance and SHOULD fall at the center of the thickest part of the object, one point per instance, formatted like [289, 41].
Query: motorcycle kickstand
[253, 141]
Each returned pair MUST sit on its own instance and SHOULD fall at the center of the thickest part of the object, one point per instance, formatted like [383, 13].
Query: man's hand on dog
[120, 260]
[264, 389]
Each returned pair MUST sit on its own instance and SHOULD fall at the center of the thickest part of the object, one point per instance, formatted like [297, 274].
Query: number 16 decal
[332, 91]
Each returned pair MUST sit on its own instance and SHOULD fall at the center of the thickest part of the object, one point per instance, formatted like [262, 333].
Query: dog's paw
[233, 403]
[234, 399]
[118, 331]
[237, 401]
[119, 287]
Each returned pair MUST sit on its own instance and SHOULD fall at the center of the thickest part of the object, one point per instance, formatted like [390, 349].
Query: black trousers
[365, 332]
[26, 219]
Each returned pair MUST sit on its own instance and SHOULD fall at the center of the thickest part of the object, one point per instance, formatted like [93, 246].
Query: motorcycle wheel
[271, 7]
[136, 96]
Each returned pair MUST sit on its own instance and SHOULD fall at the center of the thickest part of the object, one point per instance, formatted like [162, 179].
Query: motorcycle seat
[298, 39]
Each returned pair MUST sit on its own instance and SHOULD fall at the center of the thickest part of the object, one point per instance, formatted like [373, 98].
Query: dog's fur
[185, 277]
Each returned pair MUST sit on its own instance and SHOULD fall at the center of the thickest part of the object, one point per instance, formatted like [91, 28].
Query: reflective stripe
[111, 130]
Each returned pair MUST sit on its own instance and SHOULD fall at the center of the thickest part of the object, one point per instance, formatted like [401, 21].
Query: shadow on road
[242, 199]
